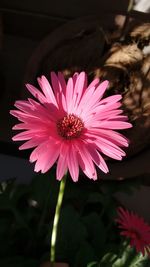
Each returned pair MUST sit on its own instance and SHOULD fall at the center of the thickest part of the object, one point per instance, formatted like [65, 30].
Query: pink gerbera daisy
[70, 124]
[136, 229]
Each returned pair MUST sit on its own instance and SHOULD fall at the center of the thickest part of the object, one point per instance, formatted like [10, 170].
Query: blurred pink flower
[70, 124]
[136, 229]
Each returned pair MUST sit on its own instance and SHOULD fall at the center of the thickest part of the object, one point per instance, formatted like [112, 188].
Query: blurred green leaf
[93, 264]
[108, 259]
[96, 197]
[71, 233]
[96, 231]
[126, 186]
[139, 261]
[85, 255]
[44, 187]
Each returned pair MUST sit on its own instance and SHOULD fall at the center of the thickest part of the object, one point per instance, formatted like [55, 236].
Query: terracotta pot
[57, 264]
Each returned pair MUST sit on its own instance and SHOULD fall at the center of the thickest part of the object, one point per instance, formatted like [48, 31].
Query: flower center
[70, 126]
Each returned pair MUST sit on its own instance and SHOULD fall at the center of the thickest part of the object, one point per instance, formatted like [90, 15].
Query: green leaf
[108, 259]
[93, 264]
[126, 254]
[138, 260]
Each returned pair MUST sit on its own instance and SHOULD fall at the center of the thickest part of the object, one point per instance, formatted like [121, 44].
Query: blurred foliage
[126, 258]
[87, 230]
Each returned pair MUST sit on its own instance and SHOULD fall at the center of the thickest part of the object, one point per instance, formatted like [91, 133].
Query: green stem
[56, 218]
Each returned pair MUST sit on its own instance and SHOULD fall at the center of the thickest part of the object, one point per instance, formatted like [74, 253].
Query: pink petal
[92, 117]
[60, 90]
[35, 141]
[47, 90]
[87, 97]
[20, 126]
[50, 158]
[112, 136]
[74, 78]
[98, 108]
[44, 162]
[56, 85]
[115, 125]
[102, 109]
[37, 151]
[72, 162]
[61, 167]
[24, 106]
[26, 135]
[85, 161]
[109, 150]
[69, 95]
[79, 88]
[111, 99]
[100, 90]
[97, 158]
[20, 115]
[36, 93]
[46, 155]
[62, 82]
[94, 83]
[62, 162]
[33, 108]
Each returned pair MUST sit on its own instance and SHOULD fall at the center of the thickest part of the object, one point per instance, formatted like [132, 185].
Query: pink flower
[71, 124]
[136, 229]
